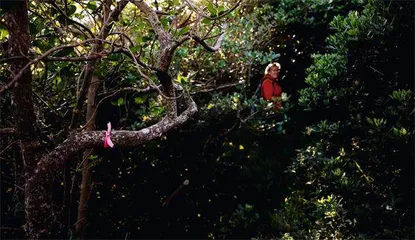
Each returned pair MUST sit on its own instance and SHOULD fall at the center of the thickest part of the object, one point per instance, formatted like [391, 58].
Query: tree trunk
[86, 170]
[109, 17]
[17, 23]
[85, 93]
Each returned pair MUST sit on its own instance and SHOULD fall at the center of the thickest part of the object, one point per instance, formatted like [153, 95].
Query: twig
[47, 53]
[8, 146]
[377, 71]
[47, 104]
[151, 81]
[124, 89]
[200, 11]
[11, 229]
[166, 203]
[5, 131]
[206, 46]
[124, 51]
[71, 20]
[218, 88]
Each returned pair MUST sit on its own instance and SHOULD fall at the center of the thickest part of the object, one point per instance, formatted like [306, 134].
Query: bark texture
[86, 185]
[108, 18]
[17, 23]
[167, 47]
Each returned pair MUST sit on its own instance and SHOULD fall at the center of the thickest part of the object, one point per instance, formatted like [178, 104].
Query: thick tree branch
[113, 16]
[89, 139]
[163, 36]
[39, 207]
[165, 56]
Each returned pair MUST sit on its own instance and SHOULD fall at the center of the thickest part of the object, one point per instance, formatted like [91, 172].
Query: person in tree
[270, 88]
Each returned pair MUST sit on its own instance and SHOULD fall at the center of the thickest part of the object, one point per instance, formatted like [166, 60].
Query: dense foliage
[336, 162]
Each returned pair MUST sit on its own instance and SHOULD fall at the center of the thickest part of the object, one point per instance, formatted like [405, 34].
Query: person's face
[274, 71]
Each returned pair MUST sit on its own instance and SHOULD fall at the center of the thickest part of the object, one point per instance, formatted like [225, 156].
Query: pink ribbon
[107, 140]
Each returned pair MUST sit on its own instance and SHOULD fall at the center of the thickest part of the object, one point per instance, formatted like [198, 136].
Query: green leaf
[41, 44]
[64, 52]
[221, 9]
[138, 40]
[92, 5]
[183, 30]
[140, 100]
[395, 132]
[181, 79]
[135, 49]
[211, 8]
[120, 101]
[36, 26]
[207, 21]
[71, 10]
[3, 34]
[164, 23]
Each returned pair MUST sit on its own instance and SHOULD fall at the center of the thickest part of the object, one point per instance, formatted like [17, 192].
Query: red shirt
[271, 88]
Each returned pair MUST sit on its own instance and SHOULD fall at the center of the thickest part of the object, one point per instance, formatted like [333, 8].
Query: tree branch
[7, 131]
[221, 87]
[39, 207]
[43, 56]
[201, 13]
[164, 37]
[144, 65]
[89, 139]
[113, 16]
[91, 35]
[214, 48]
[90, 57]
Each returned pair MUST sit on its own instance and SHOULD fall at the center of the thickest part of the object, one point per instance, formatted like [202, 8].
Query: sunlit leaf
[92, 5]
[120, 101]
